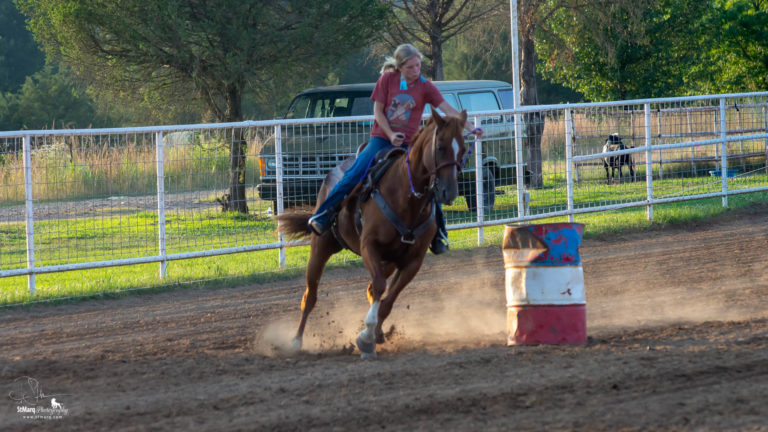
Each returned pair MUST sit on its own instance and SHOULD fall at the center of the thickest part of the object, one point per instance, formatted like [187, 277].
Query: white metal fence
[80, 199]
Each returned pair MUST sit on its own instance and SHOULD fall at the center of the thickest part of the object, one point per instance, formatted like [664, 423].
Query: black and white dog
[613, 143]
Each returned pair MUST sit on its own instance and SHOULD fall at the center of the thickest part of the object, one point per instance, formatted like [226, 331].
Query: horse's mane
[430, 125]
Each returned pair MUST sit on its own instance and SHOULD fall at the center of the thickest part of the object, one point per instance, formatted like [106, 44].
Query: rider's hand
[397, 139]
[477, 132]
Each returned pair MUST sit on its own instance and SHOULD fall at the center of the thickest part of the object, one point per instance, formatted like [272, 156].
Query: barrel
[546, 303]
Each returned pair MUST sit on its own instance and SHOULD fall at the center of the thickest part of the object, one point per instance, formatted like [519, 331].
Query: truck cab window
[481, 101]
[450, 98]
[299, 108]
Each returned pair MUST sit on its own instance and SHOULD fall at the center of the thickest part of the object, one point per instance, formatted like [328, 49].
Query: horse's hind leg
[320, 252]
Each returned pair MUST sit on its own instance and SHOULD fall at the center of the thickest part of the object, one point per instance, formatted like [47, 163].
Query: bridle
[432, 173]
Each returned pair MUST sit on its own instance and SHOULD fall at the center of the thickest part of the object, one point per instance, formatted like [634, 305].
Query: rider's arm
[381, 118]
[448, 109]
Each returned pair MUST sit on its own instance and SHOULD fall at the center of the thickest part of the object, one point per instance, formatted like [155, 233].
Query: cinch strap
[407, 235]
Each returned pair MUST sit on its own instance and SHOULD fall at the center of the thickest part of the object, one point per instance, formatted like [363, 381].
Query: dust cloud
[457, 313]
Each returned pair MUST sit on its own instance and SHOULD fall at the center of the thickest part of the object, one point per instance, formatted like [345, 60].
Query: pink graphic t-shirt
[403, 108]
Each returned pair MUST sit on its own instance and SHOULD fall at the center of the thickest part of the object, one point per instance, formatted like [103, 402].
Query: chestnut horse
[388, 244]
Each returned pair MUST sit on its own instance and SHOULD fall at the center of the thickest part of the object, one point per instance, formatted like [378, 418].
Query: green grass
[132, 235]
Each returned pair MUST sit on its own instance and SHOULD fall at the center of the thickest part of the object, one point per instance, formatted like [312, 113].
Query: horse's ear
[439, 121]
[463, 116]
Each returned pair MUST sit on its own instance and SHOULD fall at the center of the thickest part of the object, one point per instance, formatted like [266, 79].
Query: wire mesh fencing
[79, 199]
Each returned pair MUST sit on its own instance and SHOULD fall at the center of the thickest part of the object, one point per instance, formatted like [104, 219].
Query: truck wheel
[489, 192]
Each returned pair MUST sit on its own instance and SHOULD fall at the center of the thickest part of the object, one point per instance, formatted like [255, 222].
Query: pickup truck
[311, 150]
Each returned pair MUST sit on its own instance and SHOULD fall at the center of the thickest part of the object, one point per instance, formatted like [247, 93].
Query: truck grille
[305, 166]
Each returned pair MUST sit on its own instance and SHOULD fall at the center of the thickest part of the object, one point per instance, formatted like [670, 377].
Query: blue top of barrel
[562, 241]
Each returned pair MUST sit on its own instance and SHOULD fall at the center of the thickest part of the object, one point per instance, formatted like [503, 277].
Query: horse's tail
[294, 224]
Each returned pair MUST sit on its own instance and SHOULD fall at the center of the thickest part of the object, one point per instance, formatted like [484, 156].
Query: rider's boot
[321, 221]
[440, 241]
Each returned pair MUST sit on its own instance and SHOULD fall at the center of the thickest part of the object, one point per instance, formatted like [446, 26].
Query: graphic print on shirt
[400, 110]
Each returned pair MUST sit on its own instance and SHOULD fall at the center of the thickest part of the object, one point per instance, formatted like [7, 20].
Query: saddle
[381, 163]
[379, 166]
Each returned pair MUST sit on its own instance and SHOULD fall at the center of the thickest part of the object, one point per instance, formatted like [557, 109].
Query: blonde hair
[403, 53]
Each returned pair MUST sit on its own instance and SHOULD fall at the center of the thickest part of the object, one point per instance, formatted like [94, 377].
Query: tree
[430, 23]
[47, 99]
[741, 46]
[627, 49]
[533, 16]
[19, 55]
[209, 52]
[483, 52]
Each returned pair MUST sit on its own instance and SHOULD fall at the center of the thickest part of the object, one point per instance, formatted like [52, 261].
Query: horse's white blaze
[369, 333]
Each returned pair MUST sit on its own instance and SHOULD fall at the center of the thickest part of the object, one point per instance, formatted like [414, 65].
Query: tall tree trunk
[534, 122]
[237, 154]
[437, 58]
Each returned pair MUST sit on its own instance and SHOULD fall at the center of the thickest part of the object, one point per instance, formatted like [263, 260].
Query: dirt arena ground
[678, 340]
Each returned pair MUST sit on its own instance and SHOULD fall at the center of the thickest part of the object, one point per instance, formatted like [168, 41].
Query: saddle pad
[338, 172]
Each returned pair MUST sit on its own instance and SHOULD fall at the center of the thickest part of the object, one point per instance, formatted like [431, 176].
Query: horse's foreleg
[366, 340]
[402, 278]
[388, 269]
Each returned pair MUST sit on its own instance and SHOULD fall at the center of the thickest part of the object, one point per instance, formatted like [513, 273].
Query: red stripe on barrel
[536, 324]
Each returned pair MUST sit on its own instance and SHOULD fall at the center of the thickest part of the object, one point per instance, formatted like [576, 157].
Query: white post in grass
[479, 201]
[279, 180]
[648, 163]
[30, 220]
[569, 162]
[519, 166]
[161, 203]
[723, 152]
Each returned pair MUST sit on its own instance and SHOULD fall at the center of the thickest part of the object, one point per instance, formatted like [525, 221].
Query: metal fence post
[723, 153]
[765, 129]
[160, 155]
[30, 219]
[279, 178]
[569, 162]
[660, 141]
[519, 166]
[480, 190]
[648, 163]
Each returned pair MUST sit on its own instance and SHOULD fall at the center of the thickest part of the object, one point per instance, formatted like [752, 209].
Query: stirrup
[320, 223]
[439, 244]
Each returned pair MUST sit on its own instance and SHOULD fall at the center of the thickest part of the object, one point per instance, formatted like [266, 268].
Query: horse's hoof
[366, 347]
[296, 344]
[368, 356]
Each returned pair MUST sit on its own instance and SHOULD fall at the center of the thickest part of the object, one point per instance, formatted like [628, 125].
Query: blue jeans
[355, 174]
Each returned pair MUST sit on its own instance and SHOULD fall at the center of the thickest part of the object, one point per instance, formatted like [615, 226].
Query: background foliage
[600, 50]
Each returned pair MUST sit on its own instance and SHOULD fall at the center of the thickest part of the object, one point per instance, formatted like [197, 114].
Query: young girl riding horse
[398, 105]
